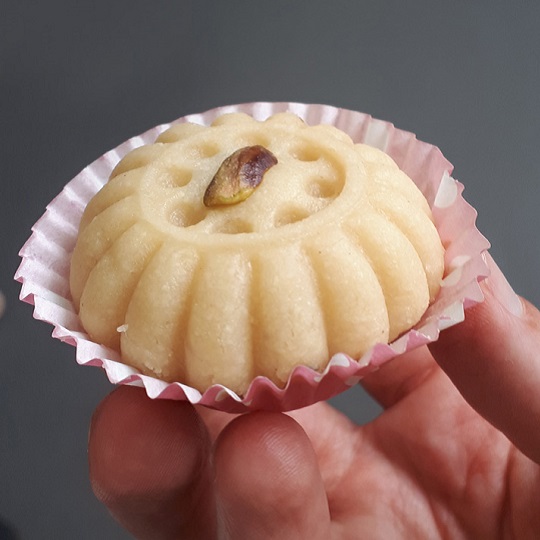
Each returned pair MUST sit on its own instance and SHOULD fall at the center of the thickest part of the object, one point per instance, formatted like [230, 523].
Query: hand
[455, 454]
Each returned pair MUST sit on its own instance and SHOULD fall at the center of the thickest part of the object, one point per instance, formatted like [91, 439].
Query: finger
[268, 481]
[149, 464]
[493, 358]
[396, 379]
[338, 444]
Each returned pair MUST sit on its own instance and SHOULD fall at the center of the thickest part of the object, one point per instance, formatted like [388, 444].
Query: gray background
[76, 79]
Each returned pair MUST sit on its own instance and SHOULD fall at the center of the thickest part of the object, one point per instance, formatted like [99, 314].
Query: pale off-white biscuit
[333, 252]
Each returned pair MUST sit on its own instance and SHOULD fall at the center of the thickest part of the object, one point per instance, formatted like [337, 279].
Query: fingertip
[487, 326]
[147, 459]
[131, 437]
[268, 479]
[274, 440]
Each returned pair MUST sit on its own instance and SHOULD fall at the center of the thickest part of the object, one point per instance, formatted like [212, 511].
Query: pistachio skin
[239, 176]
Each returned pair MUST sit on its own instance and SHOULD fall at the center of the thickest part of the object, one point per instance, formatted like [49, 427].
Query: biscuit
[334, 250]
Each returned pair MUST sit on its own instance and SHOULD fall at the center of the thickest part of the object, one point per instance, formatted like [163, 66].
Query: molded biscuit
[333, 251]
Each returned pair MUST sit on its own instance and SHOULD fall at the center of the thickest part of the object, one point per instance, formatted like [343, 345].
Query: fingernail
[502, 290]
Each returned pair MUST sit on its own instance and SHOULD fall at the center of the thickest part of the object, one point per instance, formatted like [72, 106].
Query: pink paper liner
[44, 270]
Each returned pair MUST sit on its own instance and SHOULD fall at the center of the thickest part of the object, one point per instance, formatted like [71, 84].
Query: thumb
[493, 358]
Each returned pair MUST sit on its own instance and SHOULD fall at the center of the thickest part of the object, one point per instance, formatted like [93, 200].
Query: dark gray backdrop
[78, 78]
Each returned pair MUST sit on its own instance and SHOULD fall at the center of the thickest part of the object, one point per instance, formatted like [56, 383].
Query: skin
[455, 454]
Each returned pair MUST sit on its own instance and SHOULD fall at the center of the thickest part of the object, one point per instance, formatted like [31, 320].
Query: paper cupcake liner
[44, 270]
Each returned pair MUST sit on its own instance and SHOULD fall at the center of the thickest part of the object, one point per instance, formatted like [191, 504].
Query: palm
[428, 467]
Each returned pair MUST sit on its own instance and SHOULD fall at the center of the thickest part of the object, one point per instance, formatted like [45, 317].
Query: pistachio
[239, 175]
